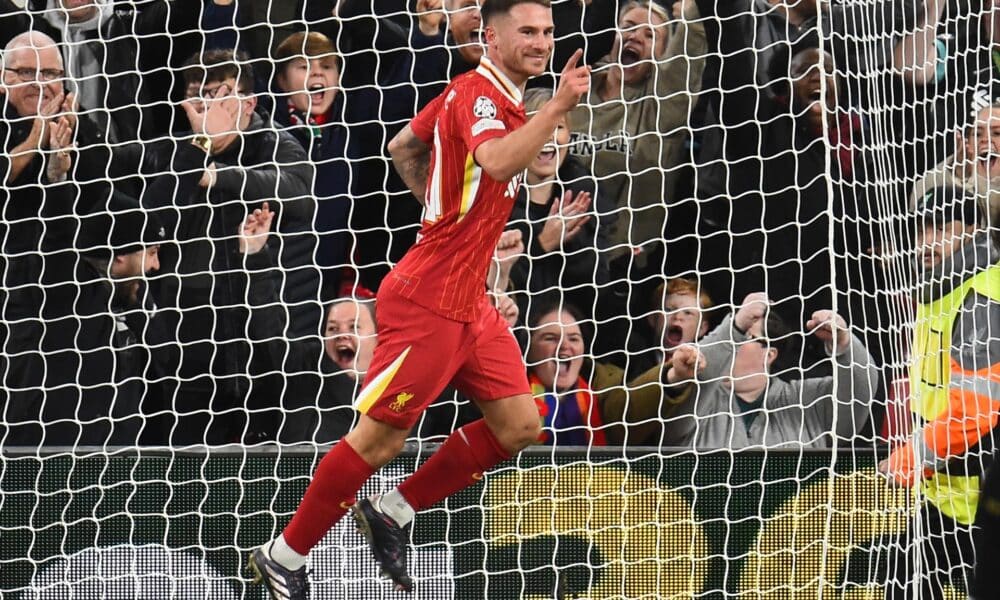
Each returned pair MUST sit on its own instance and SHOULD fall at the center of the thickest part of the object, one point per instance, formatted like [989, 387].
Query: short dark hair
[219, 65]
[549, 304]
[492, 8]
[367, 303]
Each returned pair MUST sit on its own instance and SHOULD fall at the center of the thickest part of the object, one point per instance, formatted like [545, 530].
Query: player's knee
[389, 449]
[376, 443]
[519, 435]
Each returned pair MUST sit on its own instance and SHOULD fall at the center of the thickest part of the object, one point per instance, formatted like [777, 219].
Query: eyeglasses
[31, 74]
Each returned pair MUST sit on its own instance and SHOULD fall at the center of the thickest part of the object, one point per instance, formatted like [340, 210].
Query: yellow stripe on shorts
[374, 390]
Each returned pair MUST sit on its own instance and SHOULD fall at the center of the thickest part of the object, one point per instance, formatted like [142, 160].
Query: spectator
[975, 166]
[953, 375]
[391, 71]
[566, 248]
[105, 48]
[679, 316]
[205, 294]
[783, 244]
[570, 411]
[34, 101]
[310, 105]
[679, 319]
[83, 371]
[631, 128]
[767, 28]
[325, 414]
[739, 401]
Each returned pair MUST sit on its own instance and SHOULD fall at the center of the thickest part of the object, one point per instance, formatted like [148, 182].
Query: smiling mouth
[548, 153]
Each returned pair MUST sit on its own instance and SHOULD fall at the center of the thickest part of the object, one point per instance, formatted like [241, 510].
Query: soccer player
[463, 157]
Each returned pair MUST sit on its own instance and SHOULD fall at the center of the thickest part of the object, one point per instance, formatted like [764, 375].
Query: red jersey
[465, 210]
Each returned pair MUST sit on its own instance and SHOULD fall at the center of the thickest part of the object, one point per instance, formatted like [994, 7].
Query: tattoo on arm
[413, 165]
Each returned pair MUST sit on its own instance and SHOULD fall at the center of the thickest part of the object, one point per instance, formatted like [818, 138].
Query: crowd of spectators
[193, 226]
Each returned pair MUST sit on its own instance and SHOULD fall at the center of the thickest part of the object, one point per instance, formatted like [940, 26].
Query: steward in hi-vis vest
[955, 370]
[954, 381]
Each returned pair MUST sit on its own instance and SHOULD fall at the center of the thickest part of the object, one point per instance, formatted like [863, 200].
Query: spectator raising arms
[739, 401]
[632, 126]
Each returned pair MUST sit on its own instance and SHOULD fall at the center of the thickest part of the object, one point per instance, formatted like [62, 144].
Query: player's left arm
[412, 158]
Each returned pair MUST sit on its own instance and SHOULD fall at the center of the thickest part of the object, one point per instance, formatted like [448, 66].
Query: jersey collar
[503, 83]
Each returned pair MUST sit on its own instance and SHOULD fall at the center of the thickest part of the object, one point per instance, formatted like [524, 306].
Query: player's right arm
[504, 157]
[410, 149]
[412, 158]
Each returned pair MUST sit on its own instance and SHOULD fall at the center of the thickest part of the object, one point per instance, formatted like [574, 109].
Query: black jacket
[582, 260]
[205, 223]
[117, 46]
[84, 365]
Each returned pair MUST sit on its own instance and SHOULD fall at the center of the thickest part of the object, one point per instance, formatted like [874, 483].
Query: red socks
[458, 463]
[329, 496]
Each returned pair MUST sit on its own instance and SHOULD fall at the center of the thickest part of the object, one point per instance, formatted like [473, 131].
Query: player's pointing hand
[573, 83]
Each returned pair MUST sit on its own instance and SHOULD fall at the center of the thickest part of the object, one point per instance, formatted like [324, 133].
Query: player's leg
[494, 373]
[508, 426]
[398, 385]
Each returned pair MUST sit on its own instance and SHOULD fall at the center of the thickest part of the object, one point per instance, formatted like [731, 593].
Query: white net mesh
[754, 263]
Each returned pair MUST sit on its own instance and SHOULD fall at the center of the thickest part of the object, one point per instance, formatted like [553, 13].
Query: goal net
[754, 276]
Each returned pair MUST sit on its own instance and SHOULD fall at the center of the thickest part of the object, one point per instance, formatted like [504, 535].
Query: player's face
[522, 40]
[555, 354]
[936, 242]
[553, 154]
[31, 78]
[641, 32]
[466, 26]
[982, 143]
[312, 84]
[350, 337]
[752, 361]
[681, 321]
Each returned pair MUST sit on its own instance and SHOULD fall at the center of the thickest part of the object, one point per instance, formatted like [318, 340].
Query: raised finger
[573, 60]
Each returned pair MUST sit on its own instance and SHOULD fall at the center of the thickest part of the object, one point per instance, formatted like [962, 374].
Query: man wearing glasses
[245, 162]
[735, 398]
[44, 142]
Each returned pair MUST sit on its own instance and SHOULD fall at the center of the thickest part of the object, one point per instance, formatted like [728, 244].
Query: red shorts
[419, 353]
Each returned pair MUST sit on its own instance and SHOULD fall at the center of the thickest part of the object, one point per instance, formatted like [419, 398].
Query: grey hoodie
[805, 413]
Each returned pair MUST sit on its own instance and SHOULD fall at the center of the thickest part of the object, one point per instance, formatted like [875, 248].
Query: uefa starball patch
[484, 108]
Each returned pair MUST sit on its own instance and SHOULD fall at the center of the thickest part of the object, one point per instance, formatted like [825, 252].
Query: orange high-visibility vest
[957, 405]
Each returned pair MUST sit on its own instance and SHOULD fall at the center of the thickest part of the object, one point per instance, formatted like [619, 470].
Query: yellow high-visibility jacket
[954, 380]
